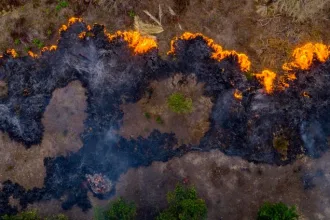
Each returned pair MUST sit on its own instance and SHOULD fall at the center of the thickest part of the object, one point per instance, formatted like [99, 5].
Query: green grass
[159, 120]
[178, 103]
[147, 115]
[131, 14]
[277, 211]
[60, 5]
[17, 42]
[38, 43]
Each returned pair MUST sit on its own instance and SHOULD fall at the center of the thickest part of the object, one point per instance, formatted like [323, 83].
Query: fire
[51, 48]
[140, 44]
[12, 52]
[73, 20]
[218, 53]
[63, 28]
[238, 94]
[303, 56]
[31, 54]
[89, 28]
[267, 78]
[82, 35]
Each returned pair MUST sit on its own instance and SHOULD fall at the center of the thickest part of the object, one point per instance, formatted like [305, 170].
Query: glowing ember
[82, 35]
[267, 78]
[89, 28]
[218, 54]
[140, 44]
[31, 54]
[238, 95]
[303, 56]
[305, 94]
[99, 183]
[12, 52]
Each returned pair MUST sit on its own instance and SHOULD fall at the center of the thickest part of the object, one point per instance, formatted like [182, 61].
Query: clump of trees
[184, 204]
[32, 215]
[117, 210]
[277, 211]
[178, 103]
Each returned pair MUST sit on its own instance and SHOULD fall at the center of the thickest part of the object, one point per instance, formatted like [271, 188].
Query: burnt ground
[268, 41]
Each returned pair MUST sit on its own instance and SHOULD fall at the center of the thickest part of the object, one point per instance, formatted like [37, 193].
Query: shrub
[147, 115]
[159, 120]
[179, 104]
[120, 210]
[277, 211]
[184, 205]
[61, 5]
[32, 215]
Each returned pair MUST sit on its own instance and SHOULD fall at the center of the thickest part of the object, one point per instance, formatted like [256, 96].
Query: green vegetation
[38, 43]
[61, 4]
[184, 205]
[159, 120]
[277, 211]
[179, 104]
[26, 49]
[17, 42]
[120, 210]
[32, 215]
[131, 14]
[147, 115]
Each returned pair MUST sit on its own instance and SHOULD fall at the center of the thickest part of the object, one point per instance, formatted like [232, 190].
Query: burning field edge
[262, 117]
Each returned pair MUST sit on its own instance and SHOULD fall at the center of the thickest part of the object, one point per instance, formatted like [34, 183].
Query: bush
[277, 211]
[179, 104]
[184, 205]
[32, 215]
[120, 210]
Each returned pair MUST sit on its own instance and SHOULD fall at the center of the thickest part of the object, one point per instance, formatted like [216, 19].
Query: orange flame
[73, 20]
[89, 28]
[82, 35]
[238, 94]
[12, 52]
[51, 48]
[31, 54]
[63, 28]
[218, 53]
[267, 78]
[140, 44]
[303, 56]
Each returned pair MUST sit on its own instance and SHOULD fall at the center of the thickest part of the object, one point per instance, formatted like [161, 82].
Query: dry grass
[299, 10]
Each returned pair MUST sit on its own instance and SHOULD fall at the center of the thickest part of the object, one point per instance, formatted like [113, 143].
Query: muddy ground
[232, 187]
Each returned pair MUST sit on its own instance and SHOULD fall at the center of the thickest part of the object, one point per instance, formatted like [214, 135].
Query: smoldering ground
[112, 75]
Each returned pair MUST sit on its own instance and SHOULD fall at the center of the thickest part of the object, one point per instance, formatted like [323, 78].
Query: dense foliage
[179, 104]
[120, 210]
[277, 211]
[184, 205]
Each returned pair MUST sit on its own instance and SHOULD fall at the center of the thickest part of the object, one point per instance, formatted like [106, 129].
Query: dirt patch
[63, 121]
[233, 188]
[152, 111]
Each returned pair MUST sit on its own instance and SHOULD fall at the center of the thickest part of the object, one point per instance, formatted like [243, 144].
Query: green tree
[184, 205]
[277, 211]
[120, 210]
[26, 215]
[179, 104]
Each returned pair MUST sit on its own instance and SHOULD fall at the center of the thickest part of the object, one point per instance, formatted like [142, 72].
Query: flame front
[140, 44]
[218, 53]
[31, 54]
[267, 78]
[303, 56]
[12, 52]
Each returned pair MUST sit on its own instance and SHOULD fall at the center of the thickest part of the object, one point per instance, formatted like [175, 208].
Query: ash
[112, 75]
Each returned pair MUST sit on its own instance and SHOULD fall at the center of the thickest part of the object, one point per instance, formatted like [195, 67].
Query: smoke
[112, 75]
